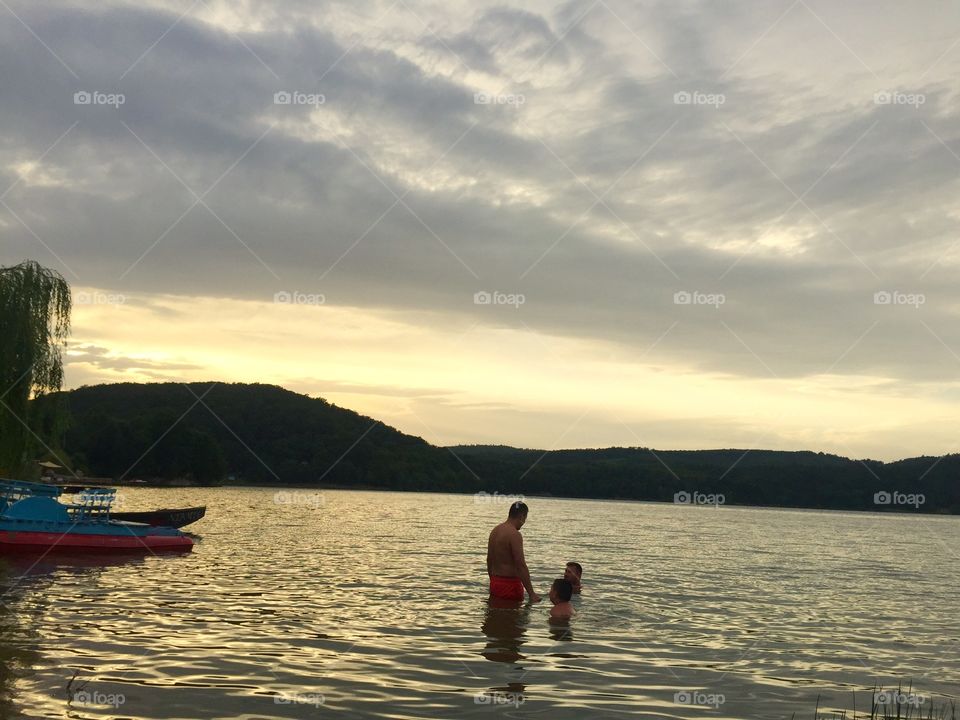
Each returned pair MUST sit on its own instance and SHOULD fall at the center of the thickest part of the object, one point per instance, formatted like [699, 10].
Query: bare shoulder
[500, 531]
[511, 533]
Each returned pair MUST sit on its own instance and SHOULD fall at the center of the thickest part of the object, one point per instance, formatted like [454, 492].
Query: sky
[664, 224]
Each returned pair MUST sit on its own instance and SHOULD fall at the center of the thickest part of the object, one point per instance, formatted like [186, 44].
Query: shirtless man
[505, 563]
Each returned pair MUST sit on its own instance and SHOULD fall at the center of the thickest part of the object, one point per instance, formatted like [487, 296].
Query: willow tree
[34, 323]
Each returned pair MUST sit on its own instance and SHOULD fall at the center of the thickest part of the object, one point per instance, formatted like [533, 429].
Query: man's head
[573, 573]
[561, 591]
[518, 514]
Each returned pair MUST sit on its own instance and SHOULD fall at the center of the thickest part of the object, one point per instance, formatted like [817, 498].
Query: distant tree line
[254, 434]
[737, 477]
[263, 434]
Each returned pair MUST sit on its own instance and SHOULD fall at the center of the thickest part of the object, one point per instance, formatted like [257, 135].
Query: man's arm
[490, 555]
[516, 546]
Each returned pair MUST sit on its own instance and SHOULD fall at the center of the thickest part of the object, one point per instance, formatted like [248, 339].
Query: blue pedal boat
[32, 518]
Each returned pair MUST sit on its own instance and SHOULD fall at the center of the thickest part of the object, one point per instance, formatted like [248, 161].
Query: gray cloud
[101, 358]
[323, 387]
[695, 198]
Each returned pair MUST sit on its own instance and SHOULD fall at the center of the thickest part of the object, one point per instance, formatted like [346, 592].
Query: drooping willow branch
[35, 305]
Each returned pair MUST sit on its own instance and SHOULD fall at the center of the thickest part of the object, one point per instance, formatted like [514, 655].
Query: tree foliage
[267, 435]
[35, 307]
[254, 434]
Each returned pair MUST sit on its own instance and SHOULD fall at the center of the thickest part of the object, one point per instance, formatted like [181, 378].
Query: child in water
[560, 593]
[573, 574]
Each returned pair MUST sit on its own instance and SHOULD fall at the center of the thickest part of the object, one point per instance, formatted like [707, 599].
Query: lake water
[367, 604]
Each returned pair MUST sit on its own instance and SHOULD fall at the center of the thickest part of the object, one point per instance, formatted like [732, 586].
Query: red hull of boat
[33, 541]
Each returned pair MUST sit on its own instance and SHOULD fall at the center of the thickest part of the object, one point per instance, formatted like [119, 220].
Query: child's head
[561, 591]
[573, 572]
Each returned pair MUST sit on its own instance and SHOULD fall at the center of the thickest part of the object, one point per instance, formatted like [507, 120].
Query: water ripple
[373, 605]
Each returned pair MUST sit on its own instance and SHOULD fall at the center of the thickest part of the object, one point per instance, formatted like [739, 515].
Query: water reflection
[560, 629]
[505, 628]
[31, 594]
[15, 659]
[17, 567]
[276, 603]
[17, 637]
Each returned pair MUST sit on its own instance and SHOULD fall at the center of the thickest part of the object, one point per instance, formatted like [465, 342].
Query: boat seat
[44, 509]
[92, 503]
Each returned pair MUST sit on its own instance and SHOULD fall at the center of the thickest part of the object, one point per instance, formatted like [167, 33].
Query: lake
[304, 604]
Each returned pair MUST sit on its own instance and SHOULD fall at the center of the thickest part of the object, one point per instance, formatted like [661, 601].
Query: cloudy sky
[673, 224]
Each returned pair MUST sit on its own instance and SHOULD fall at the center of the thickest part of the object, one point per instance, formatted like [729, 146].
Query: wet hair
[518, 509]
[576, 566]
[564, 589]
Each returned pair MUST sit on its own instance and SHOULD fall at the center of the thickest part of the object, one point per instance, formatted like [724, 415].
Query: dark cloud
[598, 196]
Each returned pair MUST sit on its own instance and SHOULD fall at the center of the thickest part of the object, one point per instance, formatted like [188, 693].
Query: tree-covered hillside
[207, 432]
[742, 477]
[218, 432]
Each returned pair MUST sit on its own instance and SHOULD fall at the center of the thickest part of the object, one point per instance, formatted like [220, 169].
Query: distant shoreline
[249, 435]
[371, 489]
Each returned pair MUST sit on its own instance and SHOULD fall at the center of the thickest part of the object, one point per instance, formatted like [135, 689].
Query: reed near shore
[890, 704]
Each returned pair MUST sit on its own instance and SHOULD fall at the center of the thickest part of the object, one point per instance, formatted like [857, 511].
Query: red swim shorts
[506, 588]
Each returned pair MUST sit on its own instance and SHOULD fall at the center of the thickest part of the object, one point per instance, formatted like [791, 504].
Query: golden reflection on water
[505, 628]
[375, 605]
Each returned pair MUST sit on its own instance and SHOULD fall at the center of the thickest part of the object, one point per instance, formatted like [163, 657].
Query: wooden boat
[175, 518]
[32, 519]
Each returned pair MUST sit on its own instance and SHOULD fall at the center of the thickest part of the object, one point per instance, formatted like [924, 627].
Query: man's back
[500, 550]
[506, 566]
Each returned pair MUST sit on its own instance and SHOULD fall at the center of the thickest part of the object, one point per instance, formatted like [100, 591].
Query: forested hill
[742, 477]
[263, 434]
[215, 432]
